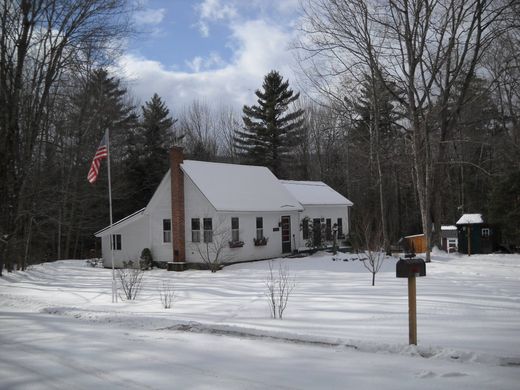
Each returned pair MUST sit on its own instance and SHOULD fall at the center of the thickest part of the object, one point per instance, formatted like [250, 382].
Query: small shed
[415, 243]
[474, 235]
[450, 239]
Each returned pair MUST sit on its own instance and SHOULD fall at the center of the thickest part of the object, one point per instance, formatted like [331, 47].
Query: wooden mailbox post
[411, 268]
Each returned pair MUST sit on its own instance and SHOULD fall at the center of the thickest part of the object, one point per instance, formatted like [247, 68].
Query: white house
[244, 209]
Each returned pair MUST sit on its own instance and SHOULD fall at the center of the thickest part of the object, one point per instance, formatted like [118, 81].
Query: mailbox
[406, 268]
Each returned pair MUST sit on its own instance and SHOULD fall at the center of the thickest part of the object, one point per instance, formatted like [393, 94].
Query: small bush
[131, 278]
[94, 262]
[146, 259]
[167, 293]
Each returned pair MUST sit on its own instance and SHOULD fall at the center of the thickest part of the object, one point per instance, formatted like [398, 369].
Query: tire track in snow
[75, 366]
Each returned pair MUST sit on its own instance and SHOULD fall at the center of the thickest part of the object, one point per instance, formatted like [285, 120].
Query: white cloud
[211, 79]
[150, 16]
[213, 11]
[198, 64]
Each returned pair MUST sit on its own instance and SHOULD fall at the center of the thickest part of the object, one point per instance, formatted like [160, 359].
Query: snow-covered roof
[315, 193]
[122, 222]
[470, 219]
[231, 187]
[449, 227]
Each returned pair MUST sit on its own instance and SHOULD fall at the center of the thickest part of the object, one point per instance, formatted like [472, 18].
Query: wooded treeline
[409, 108]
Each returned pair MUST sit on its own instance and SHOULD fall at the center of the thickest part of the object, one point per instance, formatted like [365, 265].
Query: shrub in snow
[167, 293]
[146, 259]
[130, 278]
[316, 233]
[279, 286]
[94, 262]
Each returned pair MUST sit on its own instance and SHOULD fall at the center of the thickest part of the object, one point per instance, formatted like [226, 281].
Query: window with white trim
[208, 229]
[486, 232]
[167, 230]
[259, 228]
[195, 230]
[235, 230]
[116, 242]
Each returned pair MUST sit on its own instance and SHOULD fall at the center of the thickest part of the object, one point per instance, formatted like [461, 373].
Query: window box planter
[260, 241]
[236, 244]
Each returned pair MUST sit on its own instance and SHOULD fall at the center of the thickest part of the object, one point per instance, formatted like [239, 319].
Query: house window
[486, 232]
[116, 242]
[195, 230]
[305, 228]
[235, 235]
[340, 228]
[328, 229]
[167, 230]
[259, 228]
[208, 229]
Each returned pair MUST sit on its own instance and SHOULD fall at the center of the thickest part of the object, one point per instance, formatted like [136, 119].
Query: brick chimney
[177, 184]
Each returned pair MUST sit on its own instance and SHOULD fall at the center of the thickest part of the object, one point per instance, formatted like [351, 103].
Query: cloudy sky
[213, 50]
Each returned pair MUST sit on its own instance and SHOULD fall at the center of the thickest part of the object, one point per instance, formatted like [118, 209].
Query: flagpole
[114, 285]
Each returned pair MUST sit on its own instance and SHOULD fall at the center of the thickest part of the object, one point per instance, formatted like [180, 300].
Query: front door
[286, 234]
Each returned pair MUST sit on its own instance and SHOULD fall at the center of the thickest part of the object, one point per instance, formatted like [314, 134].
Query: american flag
[101, 153]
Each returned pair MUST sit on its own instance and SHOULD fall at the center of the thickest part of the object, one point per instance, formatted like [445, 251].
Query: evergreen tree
[269, 131]
[148, 158]
[504, 208]
[98, 103]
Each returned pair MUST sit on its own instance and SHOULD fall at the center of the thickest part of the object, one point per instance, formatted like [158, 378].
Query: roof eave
[328, 204]
[125, 219]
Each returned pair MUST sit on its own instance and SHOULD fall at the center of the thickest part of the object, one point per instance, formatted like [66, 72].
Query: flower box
[236, 244]
[260, 241]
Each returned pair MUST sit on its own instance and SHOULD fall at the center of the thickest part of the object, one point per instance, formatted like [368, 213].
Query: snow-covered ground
[59, 329]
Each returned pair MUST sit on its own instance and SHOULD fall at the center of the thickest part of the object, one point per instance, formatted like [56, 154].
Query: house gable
[161, 194]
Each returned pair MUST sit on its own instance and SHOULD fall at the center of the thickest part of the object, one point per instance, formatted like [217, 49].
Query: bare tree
[198, 125]
[373, 251]
[427, 48]
[214, 248]
[228, 122]
[279, 286]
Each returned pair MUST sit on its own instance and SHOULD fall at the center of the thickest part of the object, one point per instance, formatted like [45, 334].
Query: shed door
[286, 234]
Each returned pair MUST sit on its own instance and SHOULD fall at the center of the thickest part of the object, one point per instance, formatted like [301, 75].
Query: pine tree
[504, 208]
[269, 131]
[99, 103]
[148, 157]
